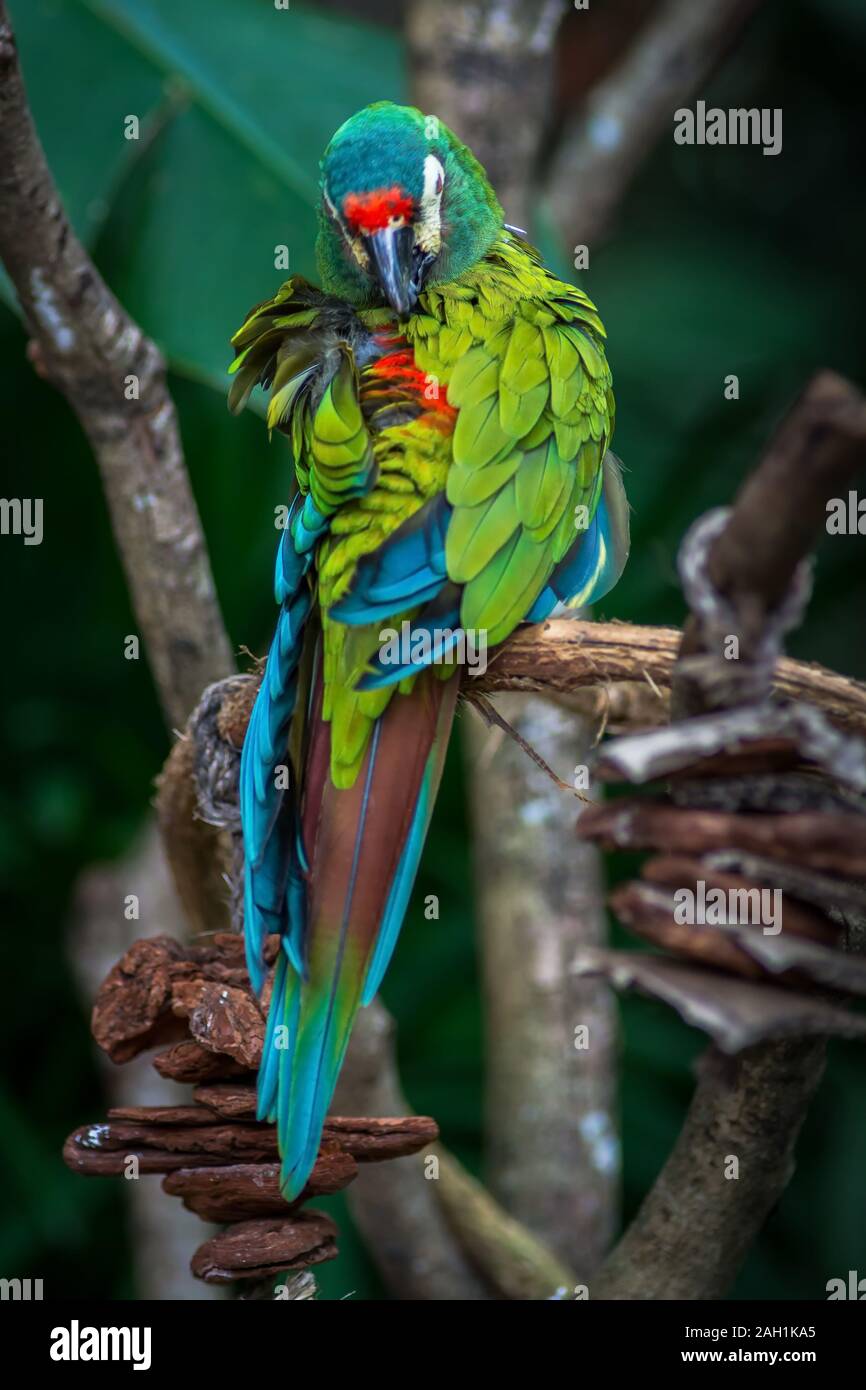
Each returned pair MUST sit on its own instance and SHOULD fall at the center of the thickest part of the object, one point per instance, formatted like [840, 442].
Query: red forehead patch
[370, 212]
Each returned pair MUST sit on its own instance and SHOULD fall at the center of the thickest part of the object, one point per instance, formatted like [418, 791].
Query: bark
[256, 1249]
[161, 1235]
[90, 349]
[828, 842]
[693, 1232]
[565, 655]
[553, 1154]
[485, 69]
[744, 573]
[166, 1138]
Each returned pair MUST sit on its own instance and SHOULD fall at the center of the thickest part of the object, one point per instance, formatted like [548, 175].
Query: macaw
[449, 407]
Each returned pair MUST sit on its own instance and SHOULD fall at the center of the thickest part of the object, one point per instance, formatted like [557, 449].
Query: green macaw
[449, 406]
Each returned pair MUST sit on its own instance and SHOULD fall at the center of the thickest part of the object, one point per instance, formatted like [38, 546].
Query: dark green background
[722, 261]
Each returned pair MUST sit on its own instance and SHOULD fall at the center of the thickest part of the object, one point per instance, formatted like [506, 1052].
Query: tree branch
[485, 69]
[398, 1215]
[777, 516]
[696, 1224]
[566, 655]
[695, 1228]
[601, 150]
[553, 1153]
[114, 379]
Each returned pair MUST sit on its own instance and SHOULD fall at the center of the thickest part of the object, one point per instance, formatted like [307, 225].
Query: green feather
[520, 359]
[468, 485]
[540, 481]
[519, 413]
[477, 533]
[479, 436]
[474, 378]
[496, 600]
[524, 366]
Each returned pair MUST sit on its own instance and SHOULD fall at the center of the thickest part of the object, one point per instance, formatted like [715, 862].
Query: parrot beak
[391, 252]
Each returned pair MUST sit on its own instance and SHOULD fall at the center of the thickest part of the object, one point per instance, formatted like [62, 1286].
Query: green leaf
[76, 69]
[236, 103]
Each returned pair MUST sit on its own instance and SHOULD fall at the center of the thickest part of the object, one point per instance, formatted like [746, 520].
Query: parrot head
[404, 205]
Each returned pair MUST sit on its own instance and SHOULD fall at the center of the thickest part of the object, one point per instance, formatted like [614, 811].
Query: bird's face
[395, 235]
[391, 181]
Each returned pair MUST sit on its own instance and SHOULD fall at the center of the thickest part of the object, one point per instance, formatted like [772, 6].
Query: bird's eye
[440, 179]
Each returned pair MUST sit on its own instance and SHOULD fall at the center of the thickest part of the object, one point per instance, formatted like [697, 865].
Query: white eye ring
[434, 177]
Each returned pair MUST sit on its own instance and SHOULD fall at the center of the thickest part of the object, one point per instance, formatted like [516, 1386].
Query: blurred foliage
[723, 261]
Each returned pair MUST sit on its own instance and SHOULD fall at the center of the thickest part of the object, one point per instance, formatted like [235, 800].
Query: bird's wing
[337, 785]
[534, 512]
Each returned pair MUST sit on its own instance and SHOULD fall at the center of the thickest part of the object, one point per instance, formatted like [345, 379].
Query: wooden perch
[263, 1248]
[170, 1137]
[144, 1001]
[565, 655]
[215, 1156]
[828, 842]
[191, 1063]
[769, 1000]
[247, 1190]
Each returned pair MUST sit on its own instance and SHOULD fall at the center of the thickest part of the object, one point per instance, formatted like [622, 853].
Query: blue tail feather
[268, 817]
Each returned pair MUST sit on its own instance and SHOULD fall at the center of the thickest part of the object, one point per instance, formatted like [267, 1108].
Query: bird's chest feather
[411, 424]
